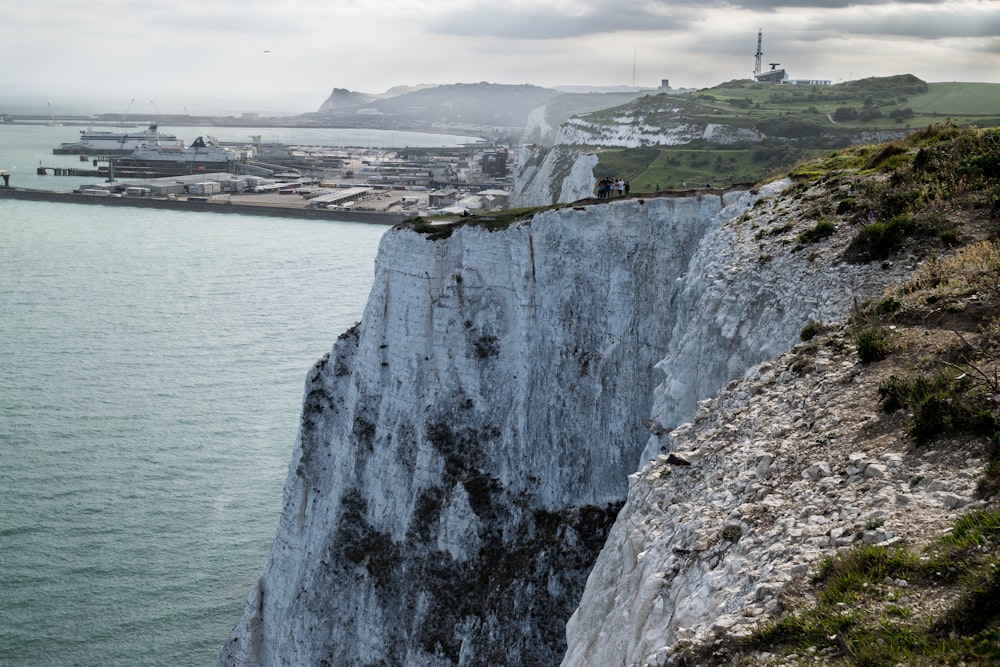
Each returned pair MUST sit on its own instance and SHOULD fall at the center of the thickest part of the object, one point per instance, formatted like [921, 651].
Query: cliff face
[464, 450]
[545, 176]
[632, 131]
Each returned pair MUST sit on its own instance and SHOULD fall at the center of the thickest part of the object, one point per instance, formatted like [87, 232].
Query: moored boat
[106, 142]
[155, 161]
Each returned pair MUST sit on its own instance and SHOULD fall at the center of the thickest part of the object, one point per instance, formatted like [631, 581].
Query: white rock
[875, 470]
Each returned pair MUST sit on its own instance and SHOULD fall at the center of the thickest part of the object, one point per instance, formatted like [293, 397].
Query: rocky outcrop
[780, 470]
[342, 100]
[564, 173]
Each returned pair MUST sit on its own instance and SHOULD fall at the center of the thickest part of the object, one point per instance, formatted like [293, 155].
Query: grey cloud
[540, 22]
[780, 5]
[934, 25]
[601, 16]
[215, 19]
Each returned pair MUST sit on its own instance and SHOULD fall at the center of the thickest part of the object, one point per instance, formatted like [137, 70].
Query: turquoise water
[153, 364]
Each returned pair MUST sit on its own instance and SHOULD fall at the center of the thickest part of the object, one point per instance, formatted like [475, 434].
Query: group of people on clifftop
[611, 187]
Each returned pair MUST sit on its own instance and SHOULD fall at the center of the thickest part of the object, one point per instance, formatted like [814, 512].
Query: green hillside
[798, 122]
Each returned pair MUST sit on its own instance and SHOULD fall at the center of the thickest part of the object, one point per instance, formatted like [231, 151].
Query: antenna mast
[759, 54]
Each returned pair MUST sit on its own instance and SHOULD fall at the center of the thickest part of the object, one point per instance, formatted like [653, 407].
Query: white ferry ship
[106, 142]
[155, 161]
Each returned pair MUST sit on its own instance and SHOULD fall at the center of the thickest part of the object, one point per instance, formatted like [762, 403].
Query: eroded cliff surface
[463, 451]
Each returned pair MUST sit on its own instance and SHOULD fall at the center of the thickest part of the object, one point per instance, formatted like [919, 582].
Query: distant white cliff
[464, 451]
[545, 176]
[630, 131]
[564, 172]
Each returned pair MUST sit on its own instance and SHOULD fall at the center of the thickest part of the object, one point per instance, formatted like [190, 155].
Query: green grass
[860, 615]
[698, 165]
[957, 100]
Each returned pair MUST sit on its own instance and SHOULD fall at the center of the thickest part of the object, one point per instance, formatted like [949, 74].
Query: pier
[67, 171]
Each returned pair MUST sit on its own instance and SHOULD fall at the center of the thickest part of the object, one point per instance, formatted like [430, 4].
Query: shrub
[810, 330]
[871, 338]
[873, 343]
[880, 239]
[845, 113]
[941, 403]
[822, 229]
[973, 269]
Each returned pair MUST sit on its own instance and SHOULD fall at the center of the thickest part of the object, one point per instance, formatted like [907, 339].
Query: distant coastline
[307, 121]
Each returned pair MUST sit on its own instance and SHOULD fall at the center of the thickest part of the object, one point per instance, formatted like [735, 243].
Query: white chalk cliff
[464, 451]
[629, 130]
[545, 176]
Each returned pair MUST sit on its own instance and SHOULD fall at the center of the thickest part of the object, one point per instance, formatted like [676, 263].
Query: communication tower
[759, 54]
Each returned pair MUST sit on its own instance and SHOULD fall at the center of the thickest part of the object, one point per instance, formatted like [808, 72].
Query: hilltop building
[776, 75]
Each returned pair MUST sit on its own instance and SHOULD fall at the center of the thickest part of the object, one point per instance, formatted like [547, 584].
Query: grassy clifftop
[795, 123]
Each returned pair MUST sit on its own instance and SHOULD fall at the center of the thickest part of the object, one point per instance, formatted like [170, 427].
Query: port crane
[121, 123]
[52, 119]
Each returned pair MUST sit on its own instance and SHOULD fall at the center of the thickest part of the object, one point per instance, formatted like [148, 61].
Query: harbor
[315, 180]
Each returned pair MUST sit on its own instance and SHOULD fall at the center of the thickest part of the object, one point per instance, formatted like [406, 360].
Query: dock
[206, 205]
[68, 171]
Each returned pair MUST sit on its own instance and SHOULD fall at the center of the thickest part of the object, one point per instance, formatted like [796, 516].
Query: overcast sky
[285, 56]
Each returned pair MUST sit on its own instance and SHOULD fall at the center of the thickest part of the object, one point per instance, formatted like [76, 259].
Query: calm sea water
[152, 369]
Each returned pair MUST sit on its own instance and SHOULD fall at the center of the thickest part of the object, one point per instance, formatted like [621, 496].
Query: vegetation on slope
[935, 341]
[797, 122]
[862, 616]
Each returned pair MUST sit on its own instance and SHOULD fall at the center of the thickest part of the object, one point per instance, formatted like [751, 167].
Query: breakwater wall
[204, 206]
